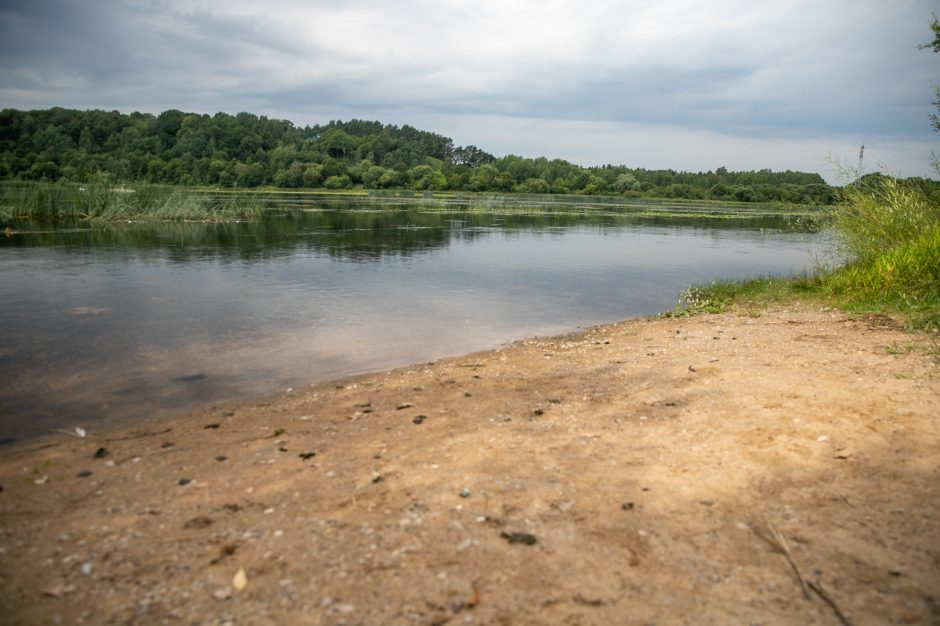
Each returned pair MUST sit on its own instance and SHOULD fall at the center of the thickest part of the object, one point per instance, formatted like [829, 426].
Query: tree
[337, 182]
[291, 177]
[425, 177]
[934, 118]
[625, 182]
[248, 150]
[935, 44]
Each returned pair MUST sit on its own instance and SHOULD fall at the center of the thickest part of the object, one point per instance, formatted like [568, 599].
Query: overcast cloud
[674, 83]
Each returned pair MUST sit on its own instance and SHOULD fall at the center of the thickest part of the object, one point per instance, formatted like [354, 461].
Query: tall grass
[881, 215]
[888, 240]
[95, 202]
[890, 233]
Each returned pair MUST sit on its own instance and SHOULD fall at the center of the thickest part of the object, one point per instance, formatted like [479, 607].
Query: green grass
[95, 202]
[887, 231]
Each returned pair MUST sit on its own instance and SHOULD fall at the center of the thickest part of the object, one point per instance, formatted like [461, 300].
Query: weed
[895, 350]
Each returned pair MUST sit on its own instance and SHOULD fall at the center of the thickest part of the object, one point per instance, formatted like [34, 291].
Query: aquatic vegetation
[96, 202]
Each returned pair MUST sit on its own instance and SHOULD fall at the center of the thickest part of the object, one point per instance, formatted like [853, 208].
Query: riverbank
[635, 473]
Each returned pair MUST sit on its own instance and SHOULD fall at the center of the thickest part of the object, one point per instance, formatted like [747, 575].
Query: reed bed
[95, 202]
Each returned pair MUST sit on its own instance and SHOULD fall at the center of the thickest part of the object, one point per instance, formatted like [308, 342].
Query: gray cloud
[733, 70]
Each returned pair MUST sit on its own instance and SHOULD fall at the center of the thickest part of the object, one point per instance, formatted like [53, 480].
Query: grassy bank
[888, 233]
[48, 201]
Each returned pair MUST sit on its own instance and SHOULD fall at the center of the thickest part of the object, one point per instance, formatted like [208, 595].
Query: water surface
[137, 320]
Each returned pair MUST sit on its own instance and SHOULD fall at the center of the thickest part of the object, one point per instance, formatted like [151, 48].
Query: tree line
[247, 150]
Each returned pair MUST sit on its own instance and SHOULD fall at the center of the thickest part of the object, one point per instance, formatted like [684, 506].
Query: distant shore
[654, 470]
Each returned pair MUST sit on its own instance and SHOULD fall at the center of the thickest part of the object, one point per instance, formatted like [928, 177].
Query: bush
[338, 182]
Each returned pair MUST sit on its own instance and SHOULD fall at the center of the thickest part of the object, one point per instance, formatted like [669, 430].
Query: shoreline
[626, 472]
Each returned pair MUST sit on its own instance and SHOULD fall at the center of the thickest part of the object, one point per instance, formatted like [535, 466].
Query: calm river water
[132, 321]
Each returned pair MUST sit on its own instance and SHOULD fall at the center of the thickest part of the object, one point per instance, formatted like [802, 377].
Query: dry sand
[636, 473]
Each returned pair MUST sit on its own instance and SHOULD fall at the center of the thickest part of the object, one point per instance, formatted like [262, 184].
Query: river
[124, 322]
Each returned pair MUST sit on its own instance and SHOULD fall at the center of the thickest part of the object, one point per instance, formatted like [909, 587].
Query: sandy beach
[780, 468]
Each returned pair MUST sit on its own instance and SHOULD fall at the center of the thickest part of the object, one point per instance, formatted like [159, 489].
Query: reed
[46, 201]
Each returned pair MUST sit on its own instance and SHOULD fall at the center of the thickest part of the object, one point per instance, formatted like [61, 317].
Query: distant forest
[246, 150]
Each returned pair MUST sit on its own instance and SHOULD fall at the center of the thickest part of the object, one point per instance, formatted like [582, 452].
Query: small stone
[895, 571]
[307, 455]
[707, 502]
[100, 453]
[538, 412]
[185, 481]
[240, 581]
[200, 521]
[87, 568]
[58, 590]
[464, 493]
[211, 426]
[627, 506]
[526, 539]
[167, 444]
[822, 438]
[403, 406]
[84, 474]
[222, 593]
[221, 458]
[419, 418]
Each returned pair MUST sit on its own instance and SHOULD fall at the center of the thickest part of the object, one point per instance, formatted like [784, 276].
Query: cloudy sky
[683, 84]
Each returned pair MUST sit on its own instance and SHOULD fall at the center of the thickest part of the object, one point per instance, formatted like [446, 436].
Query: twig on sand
[771, 535]
[141, 435]
[818, 588]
